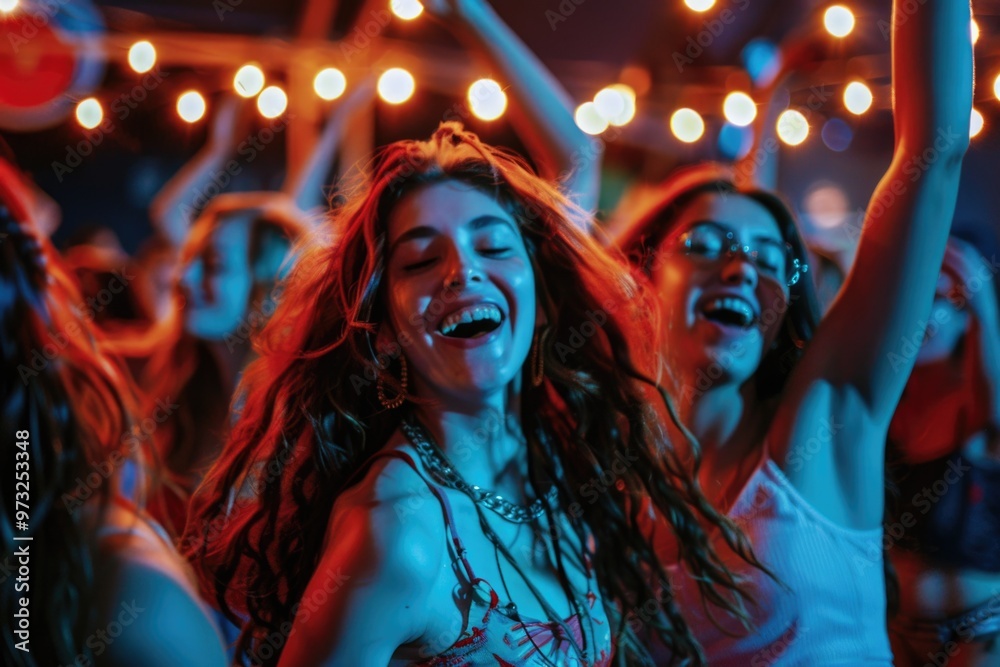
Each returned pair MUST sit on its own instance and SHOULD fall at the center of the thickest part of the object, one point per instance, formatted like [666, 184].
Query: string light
[739, 109]
[406, 9]
[975, 31]
[839, 21]
[589, 119]
[616, 104]
[141, 56]
[486, 99]
[272, 102]
[191, 106]
[793, 128]
[858, 98]
[330, 83]
[89, 113]
[687, 125]
[249, 80]
[996, 87]
[976, 123]
[700, 5]
[396, 85]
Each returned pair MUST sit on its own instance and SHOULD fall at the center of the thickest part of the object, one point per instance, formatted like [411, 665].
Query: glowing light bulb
[793, 128]
[700, 5]
[996, 87]
[406, 9]
[142, 56]
[89, 113]
[487, 99]
[739, 109]
[589, 119]
[616, 104]
[330, 83]
[975, 31]
[272, 102]
[396, 85]
[858, 98]
[976, 123]
[249, 80]
[839, 21]
[687, 125]
[191, 106]
[7, 6]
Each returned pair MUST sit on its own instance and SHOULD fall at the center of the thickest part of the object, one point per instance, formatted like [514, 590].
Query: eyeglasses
[773, 260]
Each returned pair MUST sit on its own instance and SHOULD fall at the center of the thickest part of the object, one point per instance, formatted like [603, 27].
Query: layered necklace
[445, 474]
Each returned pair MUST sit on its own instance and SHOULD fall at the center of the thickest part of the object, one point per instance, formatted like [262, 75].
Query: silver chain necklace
[444, 473]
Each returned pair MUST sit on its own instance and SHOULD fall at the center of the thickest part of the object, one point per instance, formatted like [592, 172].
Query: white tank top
[830, 605]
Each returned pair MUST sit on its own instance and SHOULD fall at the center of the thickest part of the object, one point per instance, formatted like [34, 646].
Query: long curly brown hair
[312, 419]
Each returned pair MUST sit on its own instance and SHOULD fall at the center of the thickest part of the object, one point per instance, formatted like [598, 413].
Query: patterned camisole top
[496, 636]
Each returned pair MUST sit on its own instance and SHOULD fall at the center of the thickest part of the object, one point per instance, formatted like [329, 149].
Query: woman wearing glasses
[790, 414]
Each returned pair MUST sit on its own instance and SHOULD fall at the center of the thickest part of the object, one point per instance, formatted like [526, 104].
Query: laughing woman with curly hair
[444, 445]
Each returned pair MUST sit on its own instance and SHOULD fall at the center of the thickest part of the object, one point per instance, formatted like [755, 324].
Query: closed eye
[416, 266]
[495, 252]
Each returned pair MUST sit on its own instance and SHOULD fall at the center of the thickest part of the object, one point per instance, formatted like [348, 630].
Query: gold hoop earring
[400, 397]
[538, 358]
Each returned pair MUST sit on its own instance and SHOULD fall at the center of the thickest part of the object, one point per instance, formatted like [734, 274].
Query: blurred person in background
[106, 586]
[943, 534]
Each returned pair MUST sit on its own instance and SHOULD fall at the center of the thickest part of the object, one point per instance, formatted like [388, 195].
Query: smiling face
[460, 291]
[218, 281]
[722, 309]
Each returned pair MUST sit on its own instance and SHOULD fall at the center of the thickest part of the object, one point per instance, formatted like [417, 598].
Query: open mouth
[729, 311]
[471, 322]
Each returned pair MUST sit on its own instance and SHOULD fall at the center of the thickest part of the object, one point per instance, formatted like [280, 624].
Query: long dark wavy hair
[306, 428]
[77, 405]
[641, 239]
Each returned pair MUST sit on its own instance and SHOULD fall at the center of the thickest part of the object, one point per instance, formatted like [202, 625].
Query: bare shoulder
[389, 519]
[149, 610]
[383, 553]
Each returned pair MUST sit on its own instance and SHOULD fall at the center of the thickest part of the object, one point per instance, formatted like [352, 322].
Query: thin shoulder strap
[449, 518]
